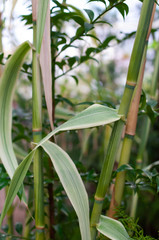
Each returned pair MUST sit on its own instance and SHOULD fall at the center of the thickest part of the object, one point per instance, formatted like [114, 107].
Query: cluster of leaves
[141, 179]
[148, 107]
[131, 225]
[86, 23]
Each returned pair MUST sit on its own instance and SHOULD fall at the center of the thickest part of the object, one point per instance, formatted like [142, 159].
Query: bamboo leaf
[45, 63]
[72, 184]
[112, 229]
[16, 183]
[93, 116]
[42, 12]
[7, 86]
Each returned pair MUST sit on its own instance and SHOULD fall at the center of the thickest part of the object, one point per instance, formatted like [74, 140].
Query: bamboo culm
[37, 136]
[132, 77]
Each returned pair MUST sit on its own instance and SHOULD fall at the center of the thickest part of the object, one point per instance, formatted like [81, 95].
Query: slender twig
[107, 10]
[93, 22]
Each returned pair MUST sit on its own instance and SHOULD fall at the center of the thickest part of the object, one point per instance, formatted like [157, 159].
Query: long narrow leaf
[45, 63]
[7, 86]
[112, 229]
[93, 116]
[72, 184]
[16, 183]
[42, 12]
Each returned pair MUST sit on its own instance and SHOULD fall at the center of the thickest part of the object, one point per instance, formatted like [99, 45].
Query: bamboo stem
[133, 74]
[37, 136]
[130, 130]
[129, 135]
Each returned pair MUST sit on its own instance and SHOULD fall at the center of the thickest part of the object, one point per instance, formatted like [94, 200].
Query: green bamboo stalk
[37, 136]
[132, 78]
[129, 135]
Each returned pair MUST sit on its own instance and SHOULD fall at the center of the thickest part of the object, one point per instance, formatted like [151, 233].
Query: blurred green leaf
[72, 184]
[123, 9]
[75, 78]
[88, 27]
[112, 229]
[157, 182]
[16, 183]
[90, 14]
[103, 1]
[7, 86]
[19, 227]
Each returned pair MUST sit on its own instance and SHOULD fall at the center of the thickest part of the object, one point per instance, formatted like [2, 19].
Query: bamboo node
[129, 135]
[98, 199]
[33, 145]
[130, 85]
[40, 227]
[37, 130]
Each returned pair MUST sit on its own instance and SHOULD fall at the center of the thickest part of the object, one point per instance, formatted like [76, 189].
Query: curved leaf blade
[16, 183]
[7, 86]
[72, 184]
[112, 229]
[93, 116]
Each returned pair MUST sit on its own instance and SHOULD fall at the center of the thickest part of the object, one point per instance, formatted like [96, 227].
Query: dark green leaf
[1, 57]
[90, 14]
[79, 32]
[107, 41]
[78, 20]
[75, 78]
[123, 9]
[98, 1]
[151, 113]
[88, 27]
[157, 181]
[19, 228]
[61, 64]
[90, 50]
[105, 22]
[73, 60]
[124, 168]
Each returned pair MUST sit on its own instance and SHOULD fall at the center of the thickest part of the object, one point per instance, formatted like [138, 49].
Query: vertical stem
[37, 135]
[129, 135]
[133, 74]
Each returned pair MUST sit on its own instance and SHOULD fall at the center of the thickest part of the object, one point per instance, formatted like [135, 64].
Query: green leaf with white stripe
[72, 184]
[93, 116]
[16, 183]
[7, 86]
[112, 229]
[42, 12]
